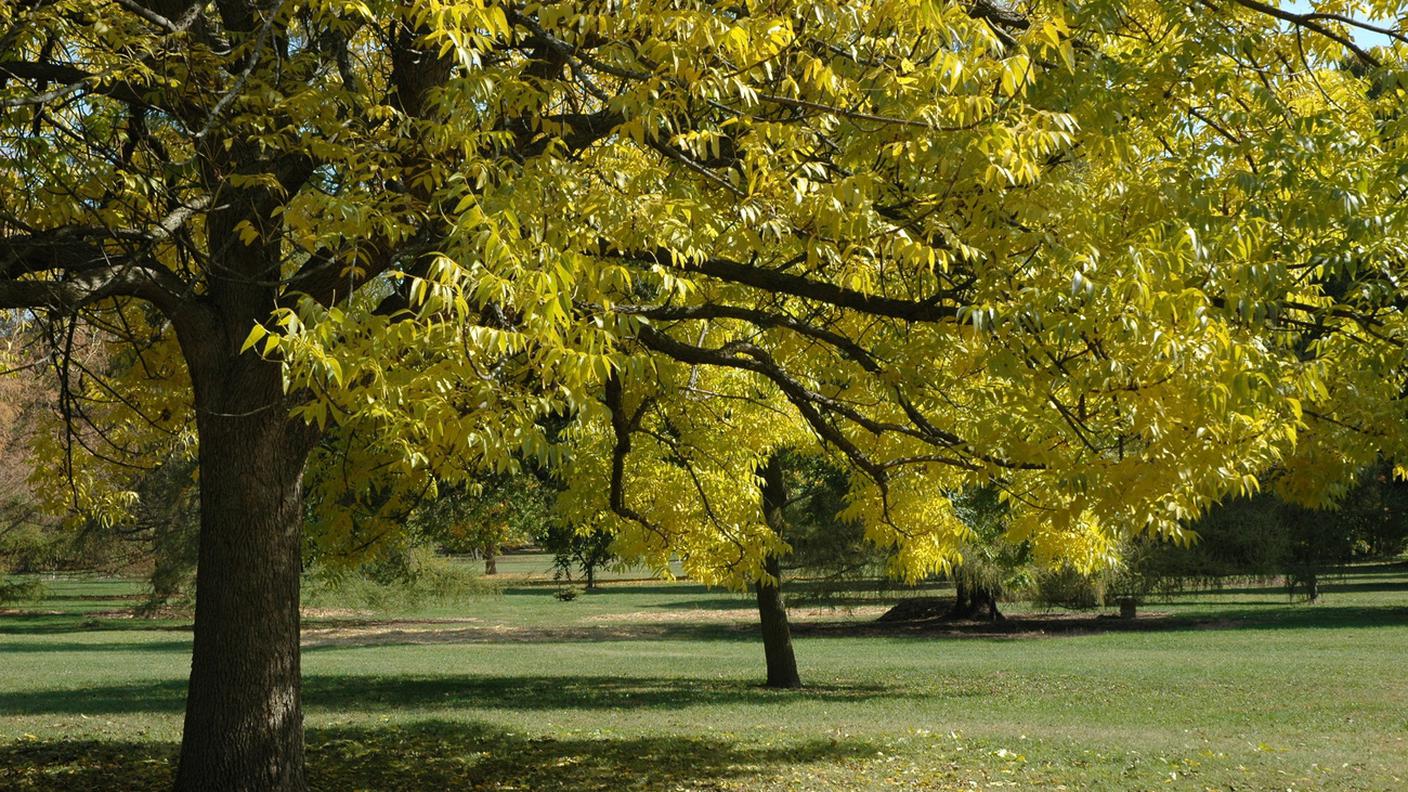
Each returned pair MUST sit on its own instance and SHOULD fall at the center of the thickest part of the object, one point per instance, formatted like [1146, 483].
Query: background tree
[991, 567]
[155, 538]
[480, 518]
[1265, 536]
[577, 551]
[826, 547]
[29, 536]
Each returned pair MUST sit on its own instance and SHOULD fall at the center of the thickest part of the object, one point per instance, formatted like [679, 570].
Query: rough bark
[772, 609]
[491, 560]
[244, 722]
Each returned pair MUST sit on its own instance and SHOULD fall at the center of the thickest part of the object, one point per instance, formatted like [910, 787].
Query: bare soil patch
[676, 623]
[335, 613]
[744, 615]
[441, 633]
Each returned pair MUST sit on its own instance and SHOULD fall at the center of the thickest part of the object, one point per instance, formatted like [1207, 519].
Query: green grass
[653, 685]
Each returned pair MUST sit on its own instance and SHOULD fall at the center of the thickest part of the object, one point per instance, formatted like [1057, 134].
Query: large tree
[1069, 253]
[949, 243]
[172, 174]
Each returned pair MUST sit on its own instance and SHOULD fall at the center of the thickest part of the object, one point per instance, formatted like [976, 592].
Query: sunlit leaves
[1115, 259]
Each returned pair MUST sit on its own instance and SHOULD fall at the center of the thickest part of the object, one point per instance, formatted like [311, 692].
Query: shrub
[404, 581]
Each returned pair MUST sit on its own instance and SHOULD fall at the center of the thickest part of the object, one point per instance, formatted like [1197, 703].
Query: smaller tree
[826, 546]
[576, 550]
[484, 516]
[166, 523]
[992, 565]
[1375, 512]
[1265, 535]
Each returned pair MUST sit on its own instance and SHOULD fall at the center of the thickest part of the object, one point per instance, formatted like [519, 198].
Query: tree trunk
[1129, 607]
[244, 720]
[491, 560]
[973, 602]
[591, 576]
[772, 610]
[962, 600]
[777, 634]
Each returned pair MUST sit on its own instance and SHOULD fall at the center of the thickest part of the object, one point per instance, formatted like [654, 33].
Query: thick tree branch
[812, 405]
[759, 318]
[776, 281]
[85, 288]
[622, 426]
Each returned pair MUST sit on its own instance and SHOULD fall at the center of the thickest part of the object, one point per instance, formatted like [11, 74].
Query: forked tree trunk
[772, 610]
[244, 720]
[973, 602]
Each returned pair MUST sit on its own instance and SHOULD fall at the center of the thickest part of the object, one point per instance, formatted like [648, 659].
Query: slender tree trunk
[772, 610]
[244, 720]
[591, 576]
[777, 634]
[491, 559]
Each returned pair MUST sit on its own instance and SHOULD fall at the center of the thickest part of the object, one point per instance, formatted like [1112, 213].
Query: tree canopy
[1114, 259]
[1081, 253]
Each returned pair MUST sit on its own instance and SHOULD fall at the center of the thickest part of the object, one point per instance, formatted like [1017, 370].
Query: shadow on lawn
[1308, 616]
[332, 635]
[1056, 624]
[440, 755]
[378, 694]
[40, 623]
[183, 646]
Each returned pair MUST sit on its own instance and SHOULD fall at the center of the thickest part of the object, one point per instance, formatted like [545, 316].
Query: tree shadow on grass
[328, 635]
[796, 600]
[577, 692]
[390, 693]
[1308, 616]
[40, 623]
[354, 634]
[448, 755]
[439, 754]
[1055, 624]
[182, 646]
[54, 765]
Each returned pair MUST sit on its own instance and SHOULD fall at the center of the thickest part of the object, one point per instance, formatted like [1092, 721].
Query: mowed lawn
[653, 685]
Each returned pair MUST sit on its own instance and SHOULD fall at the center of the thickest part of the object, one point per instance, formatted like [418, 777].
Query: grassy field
[652, 685]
